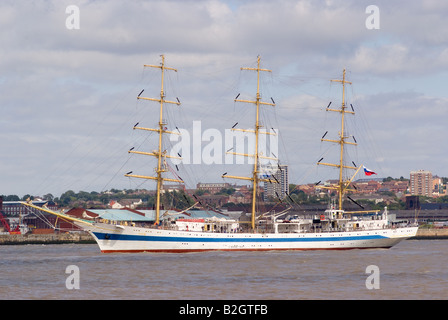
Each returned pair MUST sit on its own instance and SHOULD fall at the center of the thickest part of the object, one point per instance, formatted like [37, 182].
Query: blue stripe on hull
[114, 236]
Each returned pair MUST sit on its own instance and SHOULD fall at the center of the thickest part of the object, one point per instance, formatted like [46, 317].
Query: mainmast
[342, 184]
[255, 173]
[160, 153]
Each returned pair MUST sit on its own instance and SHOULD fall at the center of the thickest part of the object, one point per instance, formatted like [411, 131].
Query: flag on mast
[368, 172]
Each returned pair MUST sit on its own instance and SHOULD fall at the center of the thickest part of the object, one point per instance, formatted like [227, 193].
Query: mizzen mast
[256, 155]
[160, 154]
[342, 184]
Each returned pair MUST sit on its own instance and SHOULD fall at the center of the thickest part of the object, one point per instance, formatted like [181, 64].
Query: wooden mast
[160, 154]
[255, 173]
[342, 184]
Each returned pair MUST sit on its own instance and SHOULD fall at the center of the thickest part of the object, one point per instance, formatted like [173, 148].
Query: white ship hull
[112, 238]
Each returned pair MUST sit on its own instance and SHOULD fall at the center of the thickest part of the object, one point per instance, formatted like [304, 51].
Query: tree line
[180, 199]
[83, 199]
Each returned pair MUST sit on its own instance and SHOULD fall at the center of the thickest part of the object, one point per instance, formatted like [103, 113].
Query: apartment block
[421, 183]
[280, 187]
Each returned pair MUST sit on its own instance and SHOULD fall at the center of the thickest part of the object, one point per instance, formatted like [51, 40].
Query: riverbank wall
[53, 238]
[431, 234]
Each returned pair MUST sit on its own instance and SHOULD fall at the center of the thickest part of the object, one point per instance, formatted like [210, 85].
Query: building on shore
[279, 187]
[13, 214]
[421, 183]
[125, 203]
[212, 187]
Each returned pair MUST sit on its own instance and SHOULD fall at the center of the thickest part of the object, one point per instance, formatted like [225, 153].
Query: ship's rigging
[256, 131]
[160, 153]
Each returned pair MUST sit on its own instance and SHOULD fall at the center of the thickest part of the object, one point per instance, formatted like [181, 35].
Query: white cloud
[68, 97]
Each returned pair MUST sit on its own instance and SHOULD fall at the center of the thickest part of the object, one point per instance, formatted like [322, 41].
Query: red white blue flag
[368, 172]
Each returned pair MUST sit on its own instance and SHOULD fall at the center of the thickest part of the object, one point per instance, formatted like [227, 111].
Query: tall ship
[335, 229]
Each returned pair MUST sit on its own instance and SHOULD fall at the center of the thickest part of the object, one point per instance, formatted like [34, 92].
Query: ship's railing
[268, 227]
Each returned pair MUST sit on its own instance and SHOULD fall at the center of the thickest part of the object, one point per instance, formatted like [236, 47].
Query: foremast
[343, 185]
[255, 173]
[160, 154]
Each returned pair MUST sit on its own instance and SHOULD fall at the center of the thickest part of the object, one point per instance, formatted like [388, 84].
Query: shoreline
[53, 238]
[85, 238]
[431, 234]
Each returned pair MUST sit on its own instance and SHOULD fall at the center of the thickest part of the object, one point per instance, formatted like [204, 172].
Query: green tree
[48, 197]
[11, 197]
[67, 197]
[227, 191]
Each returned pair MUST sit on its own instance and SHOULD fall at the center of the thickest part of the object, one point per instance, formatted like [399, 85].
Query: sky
[71, 72]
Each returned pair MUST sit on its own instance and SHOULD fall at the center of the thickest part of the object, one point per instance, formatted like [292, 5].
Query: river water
[414, 269]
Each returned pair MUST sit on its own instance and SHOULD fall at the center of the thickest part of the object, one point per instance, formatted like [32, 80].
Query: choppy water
[411, 270]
